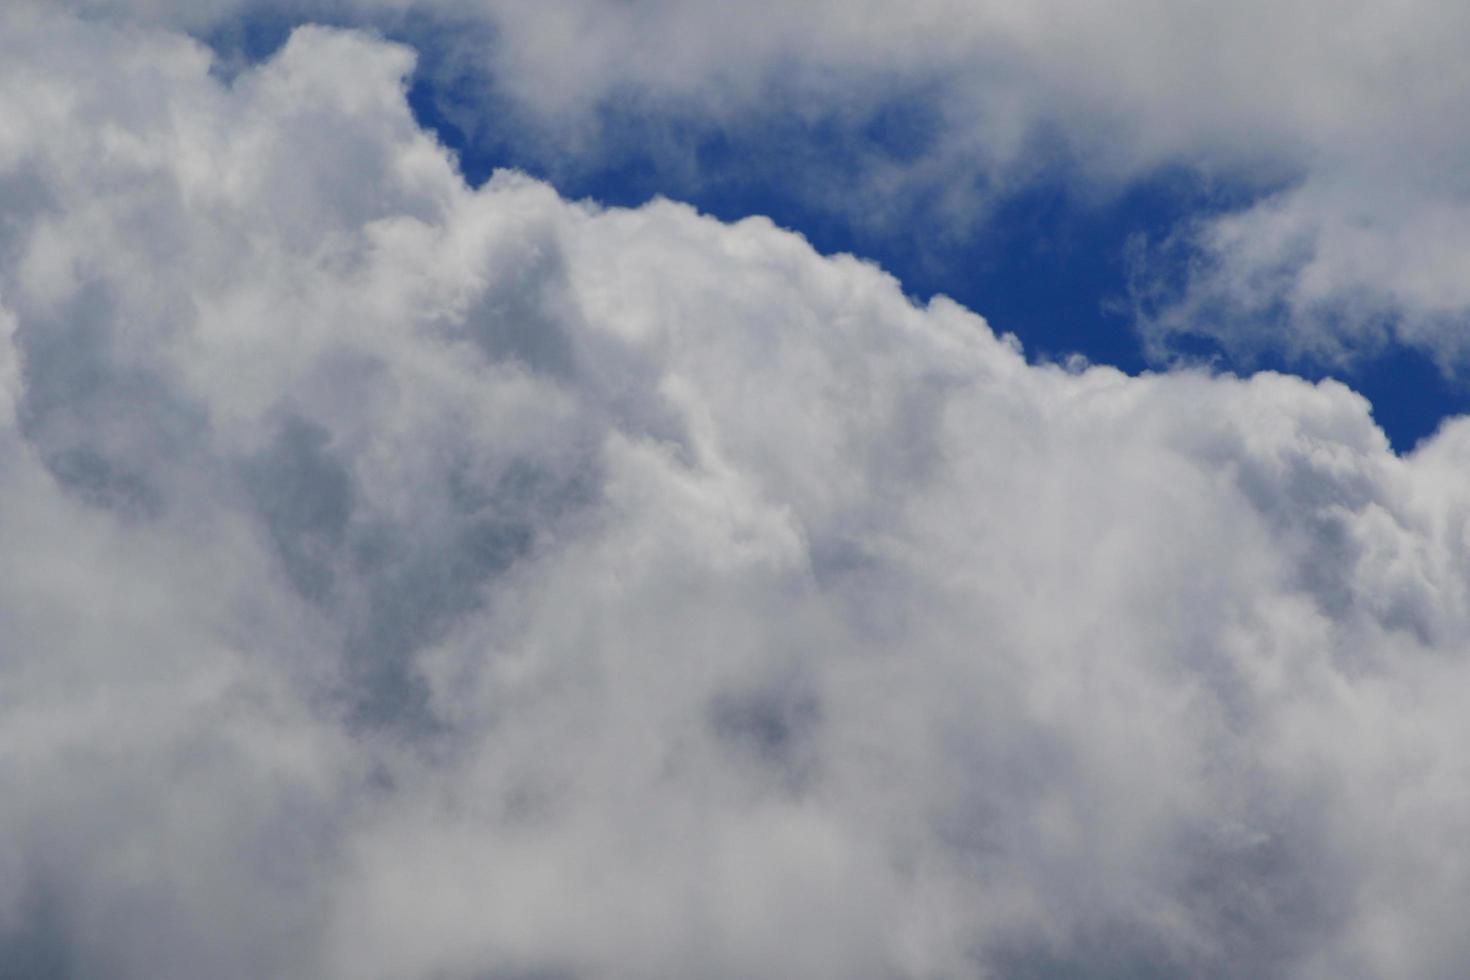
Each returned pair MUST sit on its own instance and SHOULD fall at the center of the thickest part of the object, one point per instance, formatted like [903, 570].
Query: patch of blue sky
[246, 41]
[1050, 262]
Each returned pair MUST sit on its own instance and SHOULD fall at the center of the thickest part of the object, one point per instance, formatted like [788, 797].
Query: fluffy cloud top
[408, 581]
[1343, 122]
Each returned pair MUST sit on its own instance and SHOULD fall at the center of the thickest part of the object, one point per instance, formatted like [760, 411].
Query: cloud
[1327, 135]
[406, 580]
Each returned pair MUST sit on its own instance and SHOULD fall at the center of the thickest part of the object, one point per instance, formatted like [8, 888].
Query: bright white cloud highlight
[399, 580]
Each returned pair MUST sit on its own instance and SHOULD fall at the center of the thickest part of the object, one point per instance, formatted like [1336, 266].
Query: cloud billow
[1331, 135]
[405, 580]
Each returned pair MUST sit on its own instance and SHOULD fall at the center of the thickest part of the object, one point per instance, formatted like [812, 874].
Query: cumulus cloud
[1338, 126]
[409, 581]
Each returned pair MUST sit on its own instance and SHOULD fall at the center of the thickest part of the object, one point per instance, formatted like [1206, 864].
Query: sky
[494, 491]
[1052, 256]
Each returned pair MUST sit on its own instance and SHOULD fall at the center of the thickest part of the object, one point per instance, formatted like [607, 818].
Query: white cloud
[1350, 112]
[408, 581]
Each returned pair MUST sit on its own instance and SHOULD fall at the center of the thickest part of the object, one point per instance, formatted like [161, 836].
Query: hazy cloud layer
[405, 581]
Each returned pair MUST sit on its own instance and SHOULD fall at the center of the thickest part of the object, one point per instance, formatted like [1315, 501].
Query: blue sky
[1051, 265]
[1052, 261]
